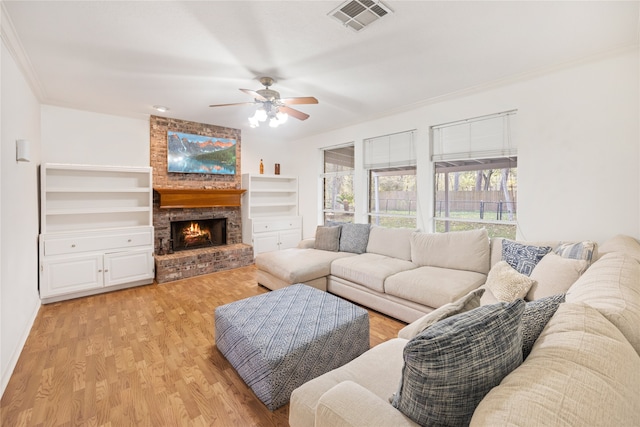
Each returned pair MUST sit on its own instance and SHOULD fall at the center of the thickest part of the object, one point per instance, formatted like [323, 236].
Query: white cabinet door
[129, 266]
[70, 274]
[265, 242]
[290, 238]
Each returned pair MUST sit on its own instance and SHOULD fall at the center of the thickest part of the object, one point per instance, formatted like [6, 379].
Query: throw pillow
[582, 250]
[535, 317]
[453, 364]
[466, 303]
[354, 238]
[506, 284]
[327, 238]
[554, 275]
[523, 258]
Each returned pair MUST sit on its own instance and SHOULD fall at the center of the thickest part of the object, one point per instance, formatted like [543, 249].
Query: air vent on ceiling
[358, 14]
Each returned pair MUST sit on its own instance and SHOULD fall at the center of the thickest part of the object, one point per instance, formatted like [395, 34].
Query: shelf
[267, 205]
[199, 197]
[98, 211]
[97, 190]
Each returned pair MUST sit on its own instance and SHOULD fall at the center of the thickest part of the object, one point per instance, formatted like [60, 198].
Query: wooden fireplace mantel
[199, 197]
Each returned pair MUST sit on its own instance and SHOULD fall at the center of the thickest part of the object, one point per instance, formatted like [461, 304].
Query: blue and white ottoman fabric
[280, 340]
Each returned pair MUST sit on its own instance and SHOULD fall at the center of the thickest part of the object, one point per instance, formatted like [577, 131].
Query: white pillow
[506, 284]
[554, 274]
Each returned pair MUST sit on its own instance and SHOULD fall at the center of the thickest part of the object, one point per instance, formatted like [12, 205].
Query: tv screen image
[187, 153]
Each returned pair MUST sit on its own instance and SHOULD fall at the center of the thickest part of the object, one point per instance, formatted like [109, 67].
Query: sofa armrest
[307, 243]
[350, 404]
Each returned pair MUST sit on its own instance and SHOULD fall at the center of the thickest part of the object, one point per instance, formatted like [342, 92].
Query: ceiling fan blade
[255, 94]
[294, 113]
[300, 100]
[237, 103]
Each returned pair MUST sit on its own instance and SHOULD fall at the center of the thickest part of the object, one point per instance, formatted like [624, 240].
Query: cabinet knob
[99, 271]
[129, 240]
[73, 246]
[106, 270]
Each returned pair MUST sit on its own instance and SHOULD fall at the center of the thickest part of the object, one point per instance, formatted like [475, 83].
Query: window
[392, 197]
[476, 177]
[391, 163]
[337, 181]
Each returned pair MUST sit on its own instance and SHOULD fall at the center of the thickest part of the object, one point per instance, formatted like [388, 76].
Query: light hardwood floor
[145, 356]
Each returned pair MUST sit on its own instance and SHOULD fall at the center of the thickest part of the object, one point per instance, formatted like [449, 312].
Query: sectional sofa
[396, 271]
[582, 366]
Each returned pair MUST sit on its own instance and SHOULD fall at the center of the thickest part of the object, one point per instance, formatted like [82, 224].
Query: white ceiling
[122, 57]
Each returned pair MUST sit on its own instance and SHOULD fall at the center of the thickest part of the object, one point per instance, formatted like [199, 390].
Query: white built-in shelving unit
[96, 231]
[270, 218]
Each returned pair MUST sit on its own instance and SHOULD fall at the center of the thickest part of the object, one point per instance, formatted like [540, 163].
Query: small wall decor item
[277, 168]
[187, 153]
[261, 167]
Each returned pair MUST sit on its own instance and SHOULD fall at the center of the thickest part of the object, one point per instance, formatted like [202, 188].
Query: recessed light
[161, 108]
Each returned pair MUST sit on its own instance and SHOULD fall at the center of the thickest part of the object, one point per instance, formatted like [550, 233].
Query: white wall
[579, 149]
[82, 137]
[19, 301]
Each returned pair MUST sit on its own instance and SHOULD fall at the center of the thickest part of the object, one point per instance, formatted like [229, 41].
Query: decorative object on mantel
[261, 167]
[277, 169]
[199, 197]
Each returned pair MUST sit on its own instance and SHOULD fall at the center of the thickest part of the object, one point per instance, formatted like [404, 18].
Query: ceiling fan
[273, 107]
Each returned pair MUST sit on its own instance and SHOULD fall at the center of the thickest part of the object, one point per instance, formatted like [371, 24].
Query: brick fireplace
[194, 197]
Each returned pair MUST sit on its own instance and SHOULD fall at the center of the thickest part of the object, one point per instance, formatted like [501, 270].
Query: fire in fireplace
[198, 233]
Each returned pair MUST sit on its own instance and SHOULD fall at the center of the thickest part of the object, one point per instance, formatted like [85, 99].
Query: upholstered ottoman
[280, 340]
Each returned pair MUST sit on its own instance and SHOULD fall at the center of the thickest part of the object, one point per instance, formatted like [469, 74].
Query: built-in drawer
[276, 224]
[79, 244]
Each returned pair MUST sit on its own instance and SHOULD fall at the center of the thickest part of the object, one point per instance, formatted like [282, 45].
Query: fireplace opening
[198, 233]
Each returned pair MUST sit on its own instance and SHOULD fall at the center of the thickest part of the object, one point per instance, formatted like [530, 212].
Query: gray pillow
[523, 258]
[535, 317]
[453, 364]
[354, 238]
[327, 238]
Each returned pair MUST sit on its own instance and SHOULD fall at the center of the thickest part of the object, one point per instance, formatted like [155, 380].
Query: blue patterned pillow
[536, 316]
[452, 365]
[523, 258]
[354, 238]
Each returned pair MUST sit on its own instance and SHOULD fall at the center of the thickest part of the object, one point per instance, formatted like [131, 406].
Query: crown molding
[14, 46]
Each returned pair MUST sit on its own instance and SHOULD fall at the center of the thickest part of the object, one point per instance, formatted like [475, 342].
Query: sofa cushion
[612, 286]
[433, 286]
[554, 274]
[506, 284]
[453, 364]
[369, 270]
[392, 242]
[535, 317]
[296, 265]
[364, 370]
[466, 303]
[523, 258]
[496, 247]
[327, 238]
[621, 243]
[581, 372]
[354, 238]
[459, 250]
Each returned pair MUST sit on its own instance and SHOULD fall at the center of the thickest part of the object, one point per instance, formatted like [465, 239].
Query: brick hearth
[189, 263]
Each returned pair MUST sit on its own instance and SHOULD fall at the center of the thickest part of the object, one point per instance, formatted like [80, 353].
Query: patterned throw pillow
[506, 284]
[535, 317]
[354, 238]
[523, 258]
[582, 250]
[327, 238]
[453, 364]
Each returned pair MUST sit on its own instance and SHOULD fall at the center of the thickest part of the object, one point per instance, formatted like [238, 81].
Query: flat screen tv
[187, 153]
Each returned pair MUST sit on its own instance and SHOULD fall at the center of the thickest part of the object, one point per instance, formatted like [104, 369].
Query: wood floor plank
[144, 356]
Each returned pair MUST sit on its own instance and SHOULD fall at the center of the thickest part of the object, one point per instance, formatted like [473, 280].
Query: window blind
[389, 151]
[483, 137]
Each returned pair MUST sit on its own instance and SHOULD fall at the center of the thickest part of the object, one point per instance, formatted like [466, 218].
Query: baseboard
[6, 375]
